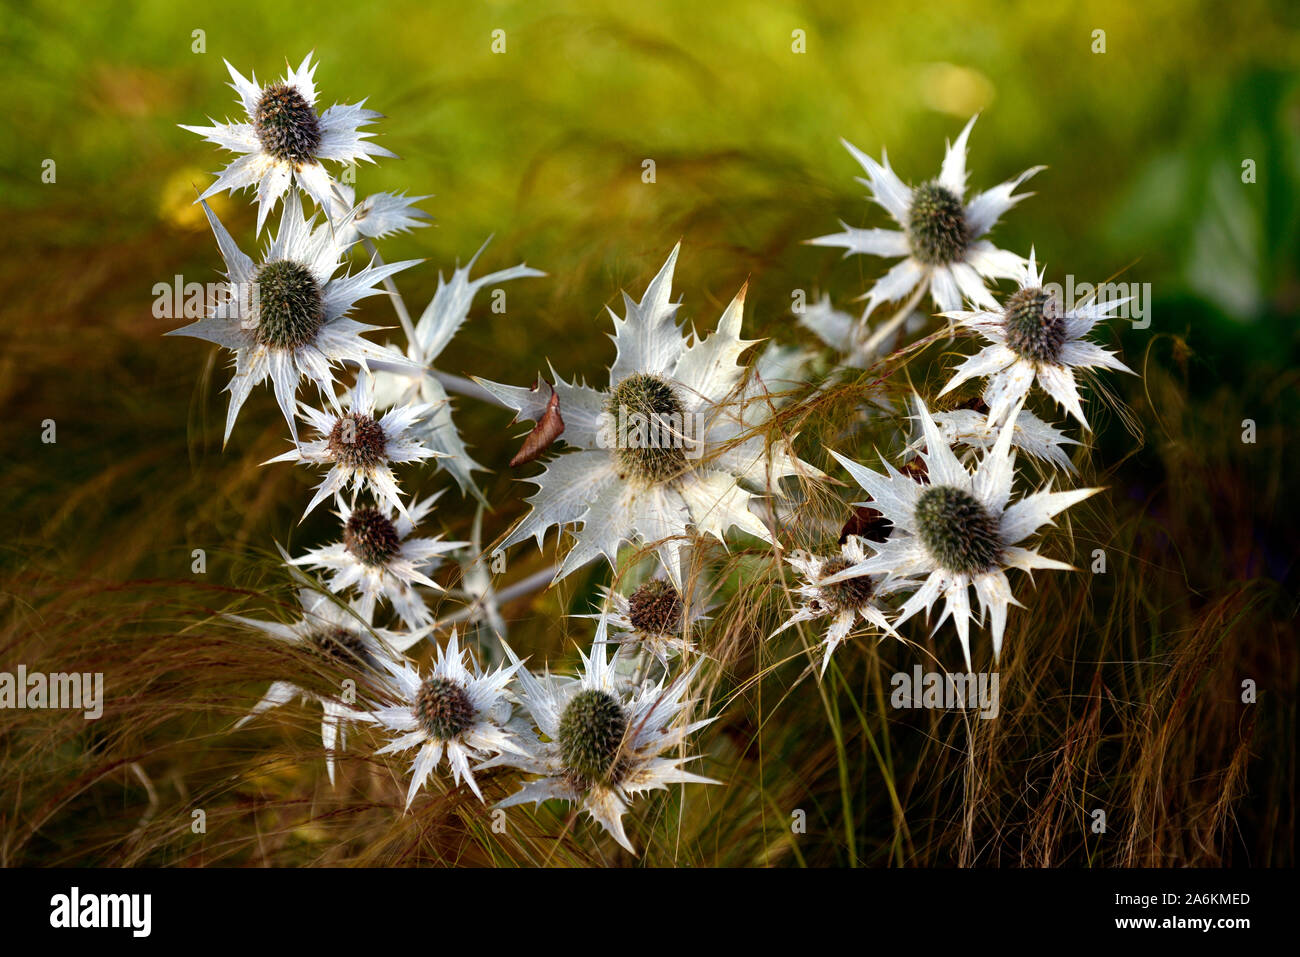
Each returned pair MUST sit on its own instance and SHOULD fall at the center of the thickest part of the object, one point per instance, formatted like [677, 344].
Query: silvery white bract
[342, 634]
[941, 234]
[445, 314]
[286, 317]
[849, 336]
[1034, 338]
[783, 370]
[454, 711]
[843, 601]
[475, 589]
[378, 557]
[603, 741]
[958, 531]
[285, 139]
[1031, 435]
[359, 448]
[378, 215]
[703, 424]
[482, 605]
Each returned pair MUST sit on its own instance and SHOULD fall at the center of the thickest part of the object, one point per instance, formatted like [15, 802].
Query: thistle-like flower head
[654, 618]
[600, 743]
[1033, 338]
[378, 557]
[843, 601]
[941, 235]
[958, 531]
[970, 427]
[666, 450]
[286, 317]
[455, 710]
[343, 637]
[361, 448]
[284, 139]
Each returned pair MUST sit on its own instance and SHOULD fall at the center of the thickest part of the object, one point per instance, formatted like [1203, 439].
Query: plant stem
[452, 383]
[520, 588]
[883, 330]
[399, 304]
[462, 386]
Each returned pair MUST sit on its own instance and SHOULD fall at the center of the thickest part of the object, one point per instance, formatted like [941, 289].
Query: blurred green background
[543, 145]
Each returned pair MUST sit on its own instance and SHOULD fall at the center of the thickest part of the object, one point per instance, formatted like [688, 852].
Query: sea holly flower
[843, 601]
[665, 449]
[456, 710]
[414, 381]
[958, 531]
[360, 448]
[285, 139]
[379, 558]
[654, 620]
[1033, 338]
[286, 317]
[343, 637]
[941, 234]
[600, 742]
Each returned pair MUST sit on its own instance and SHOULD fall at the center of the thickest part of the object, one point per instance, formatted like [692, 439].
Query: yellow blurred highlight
[176, 200]
[956, 90]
